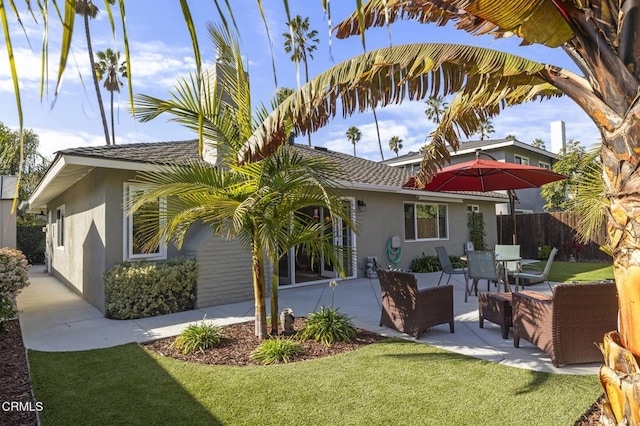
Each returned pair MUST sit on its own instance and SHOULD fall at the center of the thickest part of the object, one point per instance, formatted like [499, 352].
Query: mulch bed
[234, 349]
[15, 382]
[239, 340]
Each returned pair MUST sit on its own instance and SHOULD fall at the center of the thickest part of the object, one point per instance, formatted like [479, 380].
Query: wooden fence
[555, 229]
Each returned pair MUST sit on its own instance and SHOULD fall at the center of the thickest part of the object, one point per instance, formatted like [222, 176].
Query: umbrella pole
[512, 212]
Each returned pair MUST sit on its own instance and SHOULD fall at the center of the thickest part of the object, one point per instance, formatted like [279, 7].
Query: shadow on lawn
[120, 385]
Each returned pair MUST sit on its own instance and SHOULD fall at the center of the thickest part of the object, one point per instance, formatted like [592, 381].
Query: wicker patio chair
[413, 311]
[569, 324]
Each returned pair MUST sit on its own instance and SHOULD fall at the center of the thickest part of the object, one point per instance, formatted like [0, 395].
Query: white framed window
[134, 240]
[519, 159]
[424, 221]
[544, 165]
[473, 208]
[60, 218]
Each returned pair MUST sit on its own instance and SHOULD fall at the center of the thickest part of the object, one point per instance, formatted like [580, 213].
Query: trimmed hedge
[145, 289]
[30, 240]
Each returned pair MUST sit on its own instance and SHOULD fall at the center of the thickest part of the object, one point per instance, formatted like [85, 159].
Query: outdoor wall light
[362, 206]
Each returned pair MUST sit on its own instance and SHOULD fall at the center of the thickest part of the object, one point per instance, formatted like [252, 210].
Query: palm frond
[399, 73]
[589, 200]
[537, 21]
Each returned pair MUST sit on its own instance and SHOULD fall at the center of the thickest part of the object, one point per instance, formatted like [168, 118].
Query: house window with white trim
[423, 221]
[140, 225]
[519, 159]
[544, 165]
[60, 227]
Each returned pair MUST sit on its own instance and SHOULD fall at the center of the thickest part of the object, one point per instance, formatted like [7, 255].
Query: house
[88, 231]
[510, 150]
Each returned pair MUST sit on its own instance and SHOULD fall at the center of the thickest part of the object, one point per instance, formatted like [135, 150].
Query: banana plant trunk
[257, 260]
[620, 375]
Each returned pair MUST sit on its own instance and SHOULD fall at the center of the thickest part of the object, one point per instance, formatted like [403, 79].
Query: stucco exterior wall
[81, 261]
[94, 232]
[94, 239]
[384, 218]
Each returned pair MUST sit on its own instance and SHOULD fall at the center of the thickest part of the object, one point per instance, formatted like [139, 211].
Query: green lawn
[396, 382]
[578, 271]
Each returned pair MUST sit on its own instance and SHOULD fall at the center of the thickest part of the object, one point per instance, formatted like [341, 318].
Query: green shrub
[276, 350]
[144, 289]
[477, 233]
[7, 311]
[456, 262]
[14, 272]
[328, 326]
[425, 263]
[544, 252]
[31, 241]
[197, 337]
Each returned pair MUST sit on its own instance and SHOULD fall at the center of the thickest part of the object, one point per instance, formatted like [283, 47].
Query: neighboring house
[509, 150]
[88, 232]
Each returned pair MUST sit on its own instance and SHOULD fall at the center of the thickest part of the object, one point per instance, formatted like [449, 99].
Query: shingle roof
[175, 152]
[357, 170]
[411, 155]
[361, 170]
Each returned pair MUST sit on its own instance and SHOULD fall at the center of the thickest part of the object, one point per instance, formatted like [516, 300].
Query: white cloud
[57, 140]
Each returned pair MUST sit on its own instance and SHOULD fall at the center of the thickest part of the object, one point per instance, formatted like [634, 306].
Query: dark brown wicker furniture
[496, 307]
[413, 311]
[568, 325]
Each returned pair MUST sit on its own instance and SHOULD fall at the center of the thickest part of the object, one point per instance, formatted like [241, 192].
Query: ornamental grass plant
[197, 337]
[276, 350]
[328, 326]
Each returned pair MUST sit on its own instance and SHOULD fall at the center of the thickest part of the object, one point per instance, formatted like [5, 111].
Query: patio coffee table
[496, 307]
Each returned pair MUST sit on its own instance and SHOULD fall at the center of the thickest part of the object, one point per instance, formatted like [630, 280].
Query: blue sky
[161, 52]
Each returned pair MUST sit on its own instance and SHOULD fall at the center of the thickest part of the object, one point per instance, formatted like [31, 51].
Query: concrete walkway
[54, 318]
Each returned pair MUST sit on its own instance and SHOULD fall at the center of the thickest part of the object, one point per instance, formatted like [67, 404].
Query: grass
[578, 271]
[395, 382]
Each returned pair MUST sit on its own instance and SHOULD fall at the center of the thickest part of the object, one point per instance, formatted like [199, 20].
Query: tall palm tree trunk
[620, 376]
[257, 263]
[375, 119]
[92, 61]
[306, 79]
[113, 128]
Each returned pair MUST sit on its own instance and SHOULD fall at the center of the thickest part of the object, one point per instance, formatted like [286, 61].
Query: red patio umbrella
[489, 175]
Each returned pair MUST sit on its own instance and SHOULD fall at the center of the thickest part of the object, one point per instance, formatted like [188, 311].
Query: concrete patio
[54, 318]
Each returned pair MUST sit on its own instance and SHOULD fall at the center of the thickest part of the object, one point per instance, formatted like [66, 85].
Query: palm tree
[111, 68]
[354, 135]
[87, 9]
[436, 106]
[258, 203]
[599, 36]
[395, 144]
[301, 42]
[485, 128]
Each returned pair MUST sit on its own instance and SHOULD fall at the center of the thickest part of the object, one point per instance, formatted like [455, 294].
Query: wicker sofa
[568, 325]
[413, 311]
